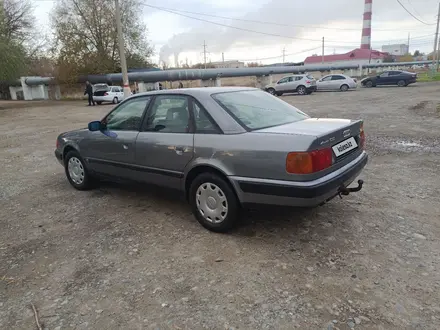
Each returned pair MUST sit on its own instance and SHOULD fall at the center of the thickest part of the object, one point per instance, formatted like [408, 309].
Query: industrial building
[227, 64]
[396, 50]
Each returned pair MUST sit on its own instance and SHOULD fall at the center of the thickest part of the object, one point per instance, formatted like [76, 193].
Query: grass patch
[428, 77]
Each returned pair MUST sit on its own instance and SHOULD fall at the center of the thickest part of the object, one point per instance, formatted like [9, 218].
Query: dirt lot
[123, 257]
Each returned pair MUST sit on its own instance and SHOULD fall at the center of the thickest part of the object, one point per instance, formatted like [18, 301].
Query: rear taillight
[309, 162]
[58, 144]
[308, 81]
[105, 94]
[362, 137]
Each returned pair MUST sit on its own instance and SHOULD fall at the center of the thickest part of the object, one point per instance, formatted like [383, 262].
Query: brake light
[362, 137]
[58, 144]
[105, 94]
[308, 81]
[309, 162]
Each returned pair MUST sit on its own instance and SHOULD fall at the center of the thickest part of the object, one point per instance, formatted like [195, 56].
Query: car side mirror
[377, 76]
[95, 126]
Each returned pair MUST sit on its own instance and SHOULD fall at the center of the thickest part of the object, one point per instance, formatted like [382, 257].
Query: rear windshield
[257, 109]
[309, 76]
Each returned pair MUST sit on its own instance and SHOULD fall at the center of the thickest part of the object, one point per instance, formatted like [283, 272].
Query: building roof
[355, 54]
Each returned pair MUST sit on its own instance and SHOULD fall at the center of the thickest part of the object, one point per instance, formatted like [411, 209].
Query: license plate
[344, 146]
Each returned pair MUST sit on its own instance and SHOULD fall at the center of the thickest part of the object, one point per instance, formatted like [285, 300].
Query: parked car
[399, 78]
[301, 83]
[336, 82]
[222, 147]
[112, 94]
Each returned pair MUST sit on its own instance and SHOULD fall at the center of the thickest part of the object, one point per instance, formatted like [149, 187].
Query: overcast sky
[338, 21]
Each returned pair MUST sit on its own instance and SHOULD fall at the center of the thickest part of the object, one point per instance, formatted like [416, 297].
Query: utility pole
[409, 35]
[434, 55]
[322, 60]
[223, 57]
[204, 52]
[284, 53]
[125, 82]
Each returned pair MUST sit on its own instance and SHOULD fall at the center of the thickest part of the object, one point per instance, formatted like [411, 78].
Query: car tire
[344, 88]
[115, 100]
[77, 172]
[271, 91]
[401, 83]
[301, 90]
[369, 84]
[98, 102]
[211, 193]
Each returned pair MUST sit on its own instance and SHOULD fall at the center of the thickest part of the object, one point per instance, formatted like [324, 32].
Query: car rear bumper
[302, 194]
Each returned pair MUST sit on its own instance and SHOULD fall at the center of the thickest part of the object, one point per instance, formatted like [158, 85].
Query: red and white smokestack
[366, 27]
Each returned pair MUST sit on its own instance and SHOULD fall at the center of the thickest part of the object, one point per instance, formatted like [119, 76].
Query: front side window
[338, 78]
[328, 78]
[385, 74]
[169, 114]
[128, 116]
[257, 109]
[283, 81]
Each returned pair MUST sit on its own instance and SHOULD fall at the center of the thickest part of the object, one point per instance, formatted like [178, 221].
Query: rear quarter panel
[253, 155]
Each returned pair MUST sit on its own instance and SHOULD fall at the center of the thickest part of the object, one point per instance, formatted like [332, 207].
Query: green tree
[86, 37]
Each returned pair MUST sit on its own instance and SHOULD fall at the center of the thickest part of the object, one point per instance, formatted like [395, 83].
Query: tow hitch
[346, 191]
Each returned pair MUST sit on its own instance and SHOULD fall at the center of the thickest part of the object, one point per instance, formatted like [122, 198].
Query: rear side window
[204, 124]
[254, 109]
[298, 78]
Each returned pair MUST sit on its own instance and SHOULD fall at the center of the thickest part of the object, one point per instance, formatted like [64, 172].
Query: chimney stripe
[366, 26]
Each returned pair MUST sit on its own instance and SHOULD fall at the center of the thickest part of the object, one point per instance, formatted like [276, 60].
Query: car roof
[199, 91]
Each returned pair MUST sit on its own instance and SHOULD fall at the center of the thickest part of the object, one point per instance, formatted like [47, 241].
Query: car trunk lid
[342, 135]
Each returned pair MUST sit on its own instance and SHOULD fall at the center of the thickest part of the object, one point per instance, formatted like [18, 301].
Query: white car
[113, 94]
[299, 83]
[334, 82]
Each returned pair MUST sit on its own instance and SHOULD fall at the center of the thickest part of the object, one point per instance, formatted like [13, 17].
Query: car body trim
[307, 189]
[135, 167]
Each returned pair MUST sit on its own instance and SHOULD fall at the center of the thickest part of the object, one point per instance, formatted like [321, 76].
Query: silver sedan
[336, 82]
[222, 147]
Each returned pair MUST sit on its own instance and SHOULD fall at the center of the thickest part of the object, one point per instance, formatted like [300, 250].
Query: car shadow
[253, 219]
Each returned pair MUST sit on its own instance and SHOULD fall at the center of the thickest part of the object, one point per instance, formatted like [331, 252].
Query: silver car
[299, 83]
[223, 147]
[336, 82]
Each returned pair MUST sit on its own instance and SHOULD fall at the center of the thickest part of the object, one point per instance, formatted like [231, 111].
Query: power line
[176, 12]
[415, 17]
[279, 56]
[264, 22]
[172, 11]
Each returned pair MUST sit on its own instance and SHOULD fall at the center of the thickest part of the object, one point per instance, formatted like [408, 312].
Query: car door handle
[125, 146]
[179, 149]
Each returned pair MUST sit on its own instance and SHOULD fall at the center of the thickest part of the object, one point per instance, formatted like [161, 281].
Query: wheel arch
[204, 168]
[67, 148]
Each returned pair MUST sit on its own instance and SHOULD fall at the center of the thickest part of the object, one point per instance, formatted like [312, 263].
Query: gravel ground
[123, 257]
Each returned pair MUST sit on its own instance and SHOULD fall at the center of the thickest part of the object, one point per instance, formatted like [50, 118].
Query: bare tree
[86, 37]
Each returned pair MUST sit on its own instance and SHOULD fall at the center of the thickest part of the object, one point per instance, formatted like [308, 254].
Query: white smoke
[322, 12]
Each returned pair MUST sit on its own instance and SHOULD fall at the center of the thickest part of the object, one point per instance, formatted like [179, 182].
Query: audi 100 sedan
[223, 147]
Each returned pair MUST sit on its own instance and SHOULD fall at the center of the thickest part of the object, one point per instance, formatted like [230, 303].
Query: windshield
[257, 109]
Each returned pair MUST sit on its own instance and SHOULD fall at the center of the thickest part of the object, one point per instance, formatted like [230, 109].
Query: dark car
[399, 78]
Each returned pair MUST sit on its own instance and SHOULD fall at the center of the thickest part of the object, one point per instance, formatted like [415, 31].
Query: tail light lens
[362, 137]
[308, 81]
[58, 144]
[105, 94]
[309, 162]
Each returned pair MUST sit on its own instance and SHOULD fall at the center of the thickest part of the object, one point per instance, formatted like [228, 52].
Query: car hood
[368, 78]
[270, 86]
